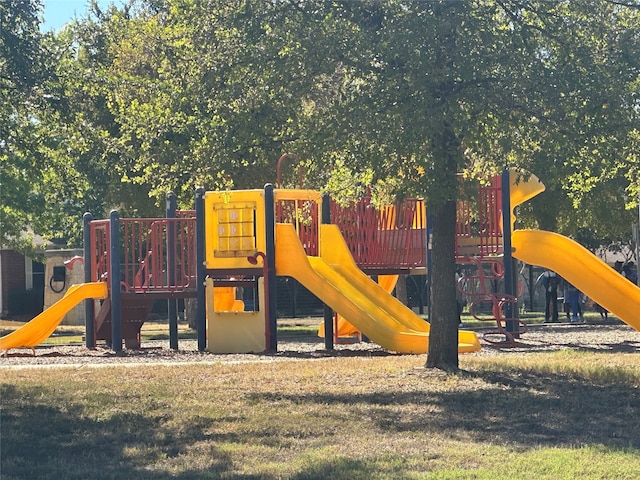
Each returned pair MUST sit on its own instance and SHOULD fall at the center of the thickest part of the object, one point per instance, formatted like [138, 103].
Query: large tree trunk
[443, 339]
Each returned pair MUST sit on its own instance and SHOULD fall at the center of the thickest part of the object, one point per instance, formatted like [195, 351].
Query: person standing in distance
[549, 280]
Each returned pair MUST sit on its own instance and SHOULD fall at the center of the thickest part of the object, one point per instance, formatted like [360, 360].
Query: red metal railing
[478, 230]
[99, 261]
[159, 254]
[156, 254]
[392, 237]
[301, 209]
[489, 213]
[463, 215]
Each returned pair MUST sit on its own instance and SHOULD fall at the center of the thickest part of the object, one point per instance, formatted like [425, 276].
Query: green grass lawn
[562, 415]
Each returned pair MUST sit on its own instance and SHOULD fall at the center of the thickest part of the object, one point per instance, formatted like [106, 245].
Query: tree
[172, 95]
[428, 89]
[423, 82]
[586, 155]
[24, 72]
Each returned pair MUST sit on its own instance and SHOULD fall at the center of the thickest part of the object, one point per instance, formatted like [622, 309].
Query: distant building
[21, 282]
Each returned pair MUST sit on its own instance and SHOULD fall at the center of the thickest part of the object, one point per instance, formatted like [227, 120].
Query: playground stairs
[134, 311]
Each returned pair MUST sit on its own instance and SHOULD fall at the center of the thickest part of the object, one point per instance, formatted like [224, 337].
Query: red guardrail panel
[99, 261]
[489, 216]
[299, 208]
[184, 244]
[157, 254]
[392, 237]
[478, 231]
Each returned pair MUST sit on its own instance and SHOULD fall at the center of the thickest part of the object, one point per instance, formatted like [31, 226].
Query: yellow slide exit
[41, 327]
[581, 268]
[572, 261]
[336, 280]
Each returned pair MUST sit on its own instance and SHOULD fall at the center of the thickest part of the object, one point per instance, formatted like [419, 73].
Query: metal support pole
[89, 309]
[328, 311]
[270, 280]
[114, 280]
[201, 316]
[253, 260]
[172, 303]
[511, 310]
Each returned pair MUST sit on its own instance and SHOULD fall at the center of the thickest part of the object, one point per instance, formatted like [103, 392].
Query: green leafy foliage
[23, 72]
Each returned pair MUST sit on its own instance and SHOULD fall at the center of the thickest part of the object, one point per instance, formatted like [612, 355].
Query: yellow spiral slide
[573, 262]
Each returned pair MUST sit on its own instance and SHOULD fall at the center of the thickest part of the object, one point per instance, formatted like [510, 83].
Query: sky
[59, 12]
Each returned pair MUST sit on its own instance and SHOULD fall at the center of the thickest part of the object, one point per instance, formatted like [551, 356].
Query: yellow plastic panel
[301, 195]
[235, 332]
[234, 228]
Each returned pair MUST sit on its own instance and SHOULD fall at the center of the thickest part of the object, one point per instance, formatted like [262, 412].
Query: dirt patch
[615, 338]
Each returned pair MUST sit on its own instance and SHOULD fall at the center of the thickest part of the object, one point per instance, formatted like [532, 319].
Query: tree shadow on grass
[347, 468]
[520, 408]
[43, 440]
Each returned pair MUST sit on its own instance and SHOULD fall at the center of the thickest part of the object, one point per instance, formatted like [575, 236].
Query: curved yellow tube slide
[581, 268]
[344, 328]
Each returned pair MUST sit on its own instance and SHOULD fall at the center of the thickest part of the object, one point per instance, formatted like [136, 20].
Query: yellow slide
[343, 327]
[581, 268]
[224, 300]
[573, 262]
[335, 279]
[41, 327]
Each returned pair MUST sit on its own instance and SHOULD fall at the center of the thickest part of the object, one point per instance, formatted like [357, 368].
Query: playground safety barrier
[157, 254]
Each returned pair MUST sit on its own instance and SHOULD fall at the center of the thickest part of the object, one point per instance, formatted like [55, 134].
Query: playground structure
[244, 239]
